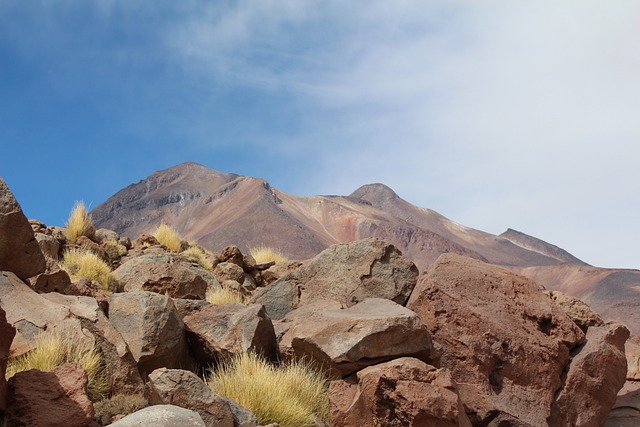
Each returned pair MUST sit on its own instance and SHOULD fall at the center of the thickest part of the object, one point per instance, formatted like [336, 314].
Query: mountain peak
[377, 194]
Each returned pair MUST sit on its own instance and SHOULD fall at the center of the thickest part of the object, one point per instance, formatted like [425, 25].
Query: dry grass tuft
[168, 237]
[84, 263]
[54, 349]
[222, 296]
[199, 255]
[291, 395]
[266, 254]
[119, 404]
[79, 223]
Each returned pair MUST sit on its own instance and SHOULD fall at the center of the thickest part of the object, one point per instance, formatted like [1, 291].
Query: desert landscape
[198, 298]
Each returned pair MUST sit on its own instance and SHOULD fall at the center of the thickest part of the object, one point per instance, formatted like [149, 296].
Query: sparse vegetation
[119, 404]
[291, 395]
[266, 254]
[113, 248]
[79, 223]
[168, 237]
[84, 263]
[54, 349]
[199, 255]
[224, 296]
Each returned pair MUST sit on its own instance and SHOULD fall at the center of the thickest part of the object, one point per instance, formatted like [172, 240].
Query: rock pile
[466, 343]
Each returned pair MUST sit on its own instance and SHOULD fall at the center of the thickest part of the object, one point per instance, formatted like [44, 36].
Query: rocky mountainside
[218, 209]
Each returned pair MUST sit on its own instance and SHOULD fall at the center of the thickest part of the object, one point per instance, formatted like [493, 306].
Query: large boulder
[596, 374]
[7, 332]
[632, 351]
[344, 341]
[50, 399]
[19, 249]
[402, 392]
[161, 415]
[577, 310]
[187, 390]
[152, 328]
[626, 410]
[347, 273]
[165, 274]
[217, 332]
[504, 341]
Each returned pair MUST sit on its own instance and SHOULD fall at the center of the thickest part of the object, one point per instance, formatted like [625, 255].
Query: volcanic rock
[50, 399]
[161, 415]
[54, 279]
[344, 341]
[402, 392]
[504, 341]
[578, 311]
[19, 249]
[346, 273]
[7, 332]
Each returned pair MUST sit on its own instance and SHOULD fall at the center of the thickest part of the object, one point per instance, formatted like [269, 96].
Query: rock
[347, 273]
[185, 389]
[19, 249]
[626, 410]
[632, 351]
[164, 274]
[272, 271]
[153, 330]
[85, 243]
[220, 331]
[344, 341]
[7, 332]
[504, 341]
[50, 399]
[596, 374]
[186, 307]
[49, 245]
[228, 271]
[577, 310]
[161, 415]
[232, 255]
[402, 392]
[103, 234]
[54, 279]
[88, 288]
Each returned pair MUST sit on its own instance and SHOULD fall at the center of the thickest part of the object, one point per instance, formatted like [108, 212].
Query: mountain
[219, 209]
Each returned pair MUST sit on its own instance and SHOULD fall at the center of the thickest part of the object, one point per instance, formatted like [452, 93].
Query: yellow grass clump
[168, 237]
[266, 254]
[84, 263]
[119, 404]
[79, 223]
[199, 255]
[54, 349]
[222, 296]
[291, 395]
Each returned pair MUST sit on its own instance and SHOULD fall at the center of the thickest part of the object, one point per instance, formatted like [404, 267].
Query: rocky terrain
[217, 210]
[464, 342]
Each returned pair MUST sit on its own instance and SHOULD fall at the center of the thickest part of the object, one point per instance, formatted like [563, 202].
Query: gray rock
[162, 416]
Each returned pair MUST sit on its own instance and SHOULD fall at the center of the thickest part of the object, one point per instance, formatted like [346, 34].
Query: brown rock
[220, 331]
[7, 332]
[54, 279]
[89, 288]
[596, 374]
[186, 307]
[626, 410]
[50, 399]
[577, 310]
[85, 243]
[632, 351]
[273, 271]
[228, 271]
[49, 245]
[344, 341]
[501, 336]
[183, 388]
[402, 392]
[347, 273]
[164, 274]
[19, 249]
[153, 330]
[232, 254]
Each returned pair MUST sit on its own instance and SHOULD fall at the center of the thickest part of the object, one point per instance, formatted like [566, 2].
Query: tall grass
[199, 255]
[79, 223]
[265, 254]
[168, 237]
[84, 263]
[54, 349]
[291, 395]
[221, 296]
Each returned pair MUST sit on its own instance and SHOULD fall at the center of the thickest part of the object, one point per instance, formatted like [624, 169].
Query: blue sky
[496, 114]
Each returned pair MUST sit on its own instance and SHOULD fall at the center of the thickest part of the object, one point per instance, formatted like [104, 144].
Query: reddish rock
[632, 351]
[89, 288]
[344, 341]
[49, 245]
[228, 271]
[50, 399]
[232, 255]
[596, 374]
[402, 392]
[19, 249]
[152, 328]
[185, 389]
[220, 331]
[577, 310]
[500, 336]
[54, 279]
[164, 274]
[7, 332]
[347, 273]
[626, 410]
